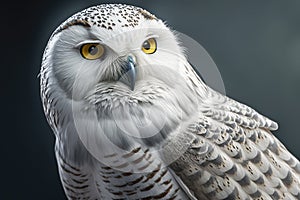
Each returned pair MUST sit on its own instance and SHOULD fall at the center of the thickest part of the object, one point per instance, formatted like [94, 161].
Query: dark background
[256, 46]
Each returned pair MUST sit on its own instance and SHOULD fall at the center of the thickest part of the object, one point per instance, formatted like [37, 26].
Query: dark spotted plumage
[235, 156]
[109, 16]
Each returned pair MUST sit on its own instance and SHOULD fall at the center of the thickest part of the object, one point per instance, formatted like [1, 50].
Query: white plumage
[133, 120]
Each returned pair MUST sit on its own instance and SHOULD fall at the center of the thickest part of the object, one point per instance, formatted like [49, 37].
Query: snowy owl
[133, 120]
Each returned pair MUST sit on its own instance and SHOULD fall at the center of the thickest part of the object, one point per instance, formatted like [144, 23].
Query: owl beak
[129, 75]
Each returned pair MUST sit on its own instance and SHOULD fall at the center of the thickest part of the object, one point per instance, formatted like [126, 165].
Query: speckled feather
[108, 16]
[235, 156]
[231, 152]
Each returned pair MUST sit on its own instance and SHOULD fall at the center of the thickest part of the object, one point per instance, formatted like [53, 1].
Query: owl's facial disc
[129, 75]
[87, 57]
[95, 50]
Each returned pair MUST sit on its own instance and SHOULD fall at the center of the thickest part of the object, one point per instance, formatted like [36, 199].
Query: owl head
[114, 45]
[127, 63]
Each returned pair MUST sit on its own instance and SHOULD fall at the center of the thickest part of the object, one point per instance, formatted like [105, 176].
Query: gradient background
[256, 46]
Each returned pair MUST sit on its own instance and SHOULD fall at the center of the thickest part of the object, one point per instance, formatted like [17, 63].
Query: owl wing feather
[234, 155]
[77, 180]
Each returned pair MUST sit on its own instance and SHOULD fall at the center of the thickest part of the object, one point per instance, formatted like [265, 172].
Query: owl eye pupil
[146, 45]
[93, 50]
[149, 46]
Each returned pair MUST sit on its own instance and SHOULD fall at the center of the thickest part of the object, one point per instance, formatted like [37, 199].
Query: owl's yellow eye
[149, 46]
[92, 51]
